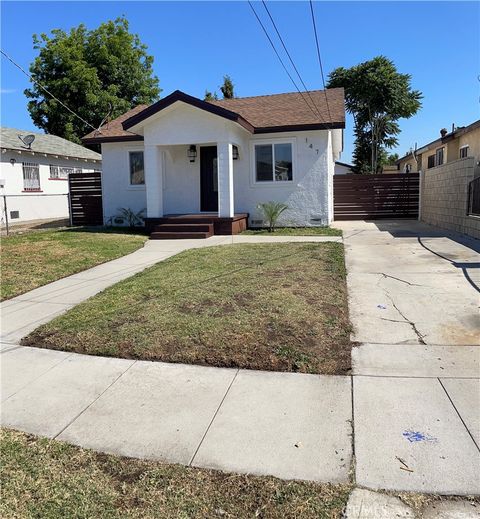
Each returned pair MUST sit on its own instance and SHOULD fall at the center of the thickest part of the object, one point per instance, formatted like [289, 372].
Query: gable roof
[45, 144]
[259, 114]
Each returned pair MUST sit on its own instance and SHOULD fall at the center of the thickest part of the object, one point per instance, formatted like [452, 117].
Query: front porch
[200, 225]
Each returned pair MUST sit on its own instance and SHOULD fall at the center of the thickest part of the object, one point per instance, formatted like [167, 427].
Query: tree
[227, 88]
[209, 96]
[377, 96]
[99, 72]
[391, 159]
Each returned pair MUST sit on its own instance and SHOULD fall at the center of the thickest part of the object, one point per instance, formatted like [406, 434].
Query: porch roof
[314, 110]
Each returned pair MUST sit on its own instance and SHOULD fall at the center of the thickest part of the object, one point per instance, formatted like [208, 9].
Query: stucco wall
[444, 197]
[307, 196]
[34, 205]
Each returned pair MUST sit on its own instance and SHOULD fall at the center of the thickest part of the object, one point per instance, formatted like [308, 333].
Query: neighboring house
[341, 168]
[34, 174]
[458, 144]
[220, 159]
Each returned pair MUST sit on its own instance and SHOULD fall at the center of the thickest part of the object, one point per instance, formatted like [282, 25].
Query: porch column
[225, 180]
[153, 164]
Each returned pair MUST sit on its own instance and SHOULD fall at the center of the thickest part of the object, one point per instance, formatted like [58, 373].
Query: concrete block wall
[444, 197]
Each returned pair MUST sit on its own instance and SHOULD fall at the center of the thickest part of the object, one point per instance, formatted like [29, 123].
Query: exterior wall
[308, 196]
[33, 205]
[451, 150]
[444, 197]
[116, 189]
[341, 169]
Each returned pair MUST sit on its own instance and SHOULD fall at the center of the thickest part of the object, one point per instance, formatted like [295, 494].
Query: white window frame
[272, 183]
[135, 187]
[464, 147]
[437, 152]
[62, 172]
[34, 166]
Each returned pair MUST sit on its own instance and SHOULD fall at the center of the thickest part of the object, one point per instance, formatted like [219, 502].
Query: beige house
[457, 144]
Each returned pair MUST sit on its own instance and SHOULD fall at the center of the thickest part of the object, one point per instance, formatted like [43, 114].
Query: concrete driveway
[414, 304]
[412, 284]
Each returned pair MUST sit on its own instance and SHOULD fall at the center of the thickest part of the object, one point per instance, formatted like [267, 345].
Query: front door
[208, 179]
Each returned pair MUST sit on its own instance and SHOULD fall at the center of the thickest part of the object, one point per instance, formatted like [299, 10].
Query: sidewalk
[415, 416]
[413, 300]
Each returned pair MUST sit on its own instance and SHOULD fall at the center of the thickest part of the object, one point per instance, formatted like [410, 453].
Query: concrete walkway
[414, 304]
[415, 385]
[22, 314]
[284, 424]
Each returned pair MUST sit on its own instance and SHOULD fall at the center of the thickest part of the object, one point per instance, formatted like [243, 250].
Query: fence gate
[86, 198]
[369, 197]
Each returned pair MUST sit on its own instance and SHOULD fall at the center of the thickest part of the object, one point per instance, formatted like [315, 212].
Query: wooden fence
[370, 197]
[86, 198]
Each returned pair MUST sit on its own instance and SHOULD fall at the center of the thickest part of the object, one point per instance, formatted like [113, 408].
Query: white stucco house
[189, 161]
[34, 174]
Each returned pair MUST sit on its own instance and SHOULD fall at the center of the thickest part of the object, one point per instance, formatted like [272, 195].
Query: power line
[47, 91]
[279, 58]
[291, 60]
[320, 59]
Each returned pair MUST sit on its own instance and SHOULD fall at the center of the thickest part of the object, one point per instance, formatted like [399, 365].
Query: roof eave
[300, 127]
[179, 96]
[118, 138]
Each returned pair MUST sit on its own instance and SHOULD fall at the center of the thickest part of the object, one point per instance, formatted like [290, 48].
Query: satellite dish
[27, 140]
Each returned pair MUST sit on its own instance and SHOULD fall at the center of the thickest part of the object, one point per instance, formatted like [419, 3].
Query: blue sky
[195, 43]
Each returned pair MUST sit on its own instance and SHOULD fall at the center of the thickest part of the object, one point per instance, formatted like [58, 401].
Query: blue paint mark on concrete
[417, 436]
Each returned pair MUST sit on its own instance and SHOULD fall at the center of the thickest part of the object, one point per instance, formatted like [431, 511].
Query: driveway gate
[86, 198]
[370, 197]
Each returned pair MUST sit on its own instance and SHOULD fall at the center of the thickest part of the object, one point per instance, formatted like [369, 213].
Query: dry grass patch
[45, 478]
[296, 231]
[280, 307]
[36, 258]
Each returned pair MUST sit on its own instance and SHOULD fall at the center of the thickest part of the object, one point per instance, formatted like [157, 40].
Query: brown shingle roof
[278, 110]
[113, 130]
[260, 114]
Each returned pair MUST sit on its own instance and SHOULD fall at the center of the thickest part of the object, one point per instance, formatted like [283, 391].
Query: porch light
[12, 161]
[235, 152]
[192, 152]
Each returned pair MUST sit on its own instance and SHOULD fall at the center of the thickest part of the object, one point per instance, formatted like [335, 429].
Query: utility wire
[320, 59]
[279, 58]
[47, 91]
[291, 60]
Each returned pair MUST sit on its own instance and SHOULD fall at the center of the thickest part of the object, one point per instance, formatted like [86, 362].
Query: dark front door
[208, 179]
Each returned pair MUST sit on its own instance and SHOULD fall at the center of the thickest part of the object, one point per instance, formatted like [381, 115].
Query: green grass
[37, 258]
[296, 231]
[280, 307]
[48, 479]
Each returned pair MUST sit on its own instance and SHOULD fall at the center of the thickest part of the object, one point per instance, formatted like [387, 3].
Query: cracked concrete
[412, 273]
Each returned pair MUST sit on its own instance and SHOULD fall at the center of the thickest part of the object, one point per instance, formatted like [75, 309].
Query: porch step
[179, 235]
[184, 227]
[181, 231]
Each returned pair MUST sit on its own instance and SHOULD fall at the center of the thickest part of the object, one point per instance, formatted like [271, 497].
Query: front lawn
[44, 478]
[280, 307]
[37, 258]
[296, 231]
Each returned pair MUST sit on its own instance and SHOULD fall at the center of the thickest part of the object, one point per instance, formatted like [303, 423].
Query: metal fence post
[6, 213]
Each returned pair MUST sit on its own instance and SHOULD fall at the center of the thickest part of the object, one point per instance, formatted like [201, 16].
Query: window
[439, 157]
[464, 152]
[273, 162]
[137, 173]
[31, 176]
[62, 172]
[431, 161]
